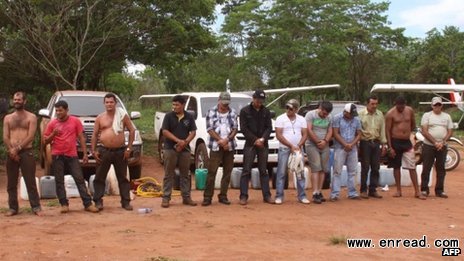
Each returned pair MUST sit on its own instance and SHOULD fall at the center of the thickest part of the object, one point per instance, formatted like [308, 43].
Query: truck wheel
[418, 152]
[161, 149]
[452, 158]
[201, 157]
[135, 172]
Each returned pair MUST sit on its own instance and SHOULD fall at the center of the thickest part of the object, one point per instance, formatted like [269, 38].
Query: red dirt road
[258, 231]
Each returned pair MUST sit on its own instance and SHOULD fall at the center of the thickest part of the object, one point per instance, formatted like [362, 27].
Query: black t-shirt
[179, 127]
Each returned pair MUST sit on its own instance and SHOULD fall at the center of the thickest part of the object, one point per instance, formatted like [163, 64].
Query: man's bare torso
[401, 123]
[19, 125]
[107, 136]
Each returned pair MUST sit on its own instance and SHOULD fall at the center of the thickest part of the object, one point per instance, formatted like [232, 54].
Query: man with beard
[18, 133]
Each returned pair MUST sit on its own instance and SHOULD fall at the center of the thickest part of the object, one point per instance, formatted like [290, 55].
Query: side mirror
[135, 115]
[44, 113]
[273, 114]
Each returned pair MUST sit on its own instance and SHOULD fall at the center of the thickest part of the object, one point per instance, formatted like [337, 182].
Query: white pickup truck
[198, 103]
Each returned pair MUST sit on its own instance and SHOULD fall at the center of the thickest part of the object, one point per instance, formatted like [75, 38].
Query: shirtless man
[18, 133]
[109, 130]
[399, 124]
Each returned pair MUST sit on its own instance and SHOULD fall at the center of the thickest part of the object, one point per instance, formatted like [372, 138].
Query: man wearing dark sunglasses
[437, 129]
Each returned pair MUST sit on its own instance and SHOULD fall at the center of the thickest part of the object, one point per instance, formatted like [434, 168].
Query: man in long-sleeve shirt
[256, 126]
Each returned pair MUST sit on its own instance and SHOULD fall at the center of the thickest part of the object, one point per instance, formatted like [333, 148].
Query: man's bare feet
[421, 196]
[397, 194]
[38, 213]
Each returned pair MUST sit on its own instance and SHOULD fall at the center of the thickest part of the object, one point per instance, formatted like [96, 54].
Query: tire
[201, 156]
[161, 149]
[452, 158]
[418, 152]
[135, 172]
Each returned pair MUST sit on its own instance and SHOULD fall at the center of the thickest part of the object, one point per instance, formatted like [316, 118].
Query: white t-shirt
[291, 129]
[438, 125]
[224, 128]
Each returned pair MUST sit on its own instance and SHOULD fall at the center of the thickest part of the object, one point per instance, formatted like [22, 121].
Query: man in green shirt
[372, 146]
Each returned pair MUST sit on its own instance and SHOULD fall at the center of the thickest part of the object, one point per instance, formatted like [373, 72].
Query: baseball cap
[293, 104]
[259, 94]
[224, 98]
[351, 109]
[436, 100]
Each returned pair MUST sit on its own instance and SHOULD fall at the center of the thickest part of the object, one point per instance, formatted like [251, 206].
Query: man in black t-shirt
[178, 129]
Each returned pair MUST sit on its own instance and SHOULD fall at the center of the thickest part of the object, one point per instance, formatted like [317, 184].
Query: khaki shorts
[318, 159]
[408, 161]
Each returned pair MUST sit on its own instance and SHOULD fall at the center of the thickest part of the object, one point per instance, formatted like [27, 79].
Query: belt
[373, 140]
[114, 149]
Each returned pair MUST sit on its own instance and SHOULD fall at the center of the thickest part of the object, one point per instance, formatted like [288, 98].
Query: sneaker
[11, 213]
[165, 203]
[128, 207]
[243, 201]
[304, 201]
[92, 209]
[316, 199]
[64, 209]
[364, 195]
[322, 197]
[206, 202]
[278, 201]
[189, 202]
[355, 197]
[442, 195]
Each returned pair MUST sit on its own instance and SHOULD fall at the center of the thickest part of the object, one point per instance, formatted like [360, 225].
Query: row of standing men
[19, 129]
[367, 130]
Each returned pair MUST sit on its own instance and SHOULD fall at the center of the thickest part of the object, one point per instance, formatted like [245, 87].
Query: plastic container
[235, 178]
[144, 210]
[47, 187]
[23, 189]
[306, 176]
[218, 179]
[200, 178]
[92, 187]
[255, 180]
[71, 187]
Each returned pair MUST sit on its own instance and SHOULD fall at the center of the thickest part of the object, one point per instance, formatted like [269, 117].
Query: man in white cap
[221, 124]
[347, 133]
[437, 128]
[291, 131]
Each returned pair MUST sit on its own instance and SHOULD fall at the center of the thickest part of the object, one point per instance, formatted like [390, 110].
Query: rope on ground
[149, 188]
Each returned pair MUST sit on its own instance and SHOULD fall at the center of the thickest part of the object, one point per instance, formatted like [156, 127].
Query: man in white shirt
[437, 129]
[291, 131]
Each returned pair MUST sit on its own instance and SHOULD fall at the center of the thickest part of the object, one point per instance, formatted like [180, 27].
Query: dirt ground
[258, 231]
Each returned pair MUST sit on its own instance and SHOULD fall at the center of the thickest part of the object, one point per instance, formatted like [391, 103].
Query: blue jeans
[62, 163]
[249, 155]
[282, 167]
[350, 159]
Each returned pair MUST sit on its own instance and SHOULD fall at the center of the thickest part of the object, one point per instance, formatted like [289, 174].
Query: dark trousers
[181, 160]
[108, 157]
[249, 154]
[61, 163]
[27, 165]
[370, 159]
[430, 155]
[215, 159]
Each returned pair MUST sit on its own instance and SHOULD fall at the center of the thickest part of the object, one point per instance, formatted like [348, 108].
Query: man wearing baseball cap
[221, 124]
[256, 126]
[437, 128]
[347, 132]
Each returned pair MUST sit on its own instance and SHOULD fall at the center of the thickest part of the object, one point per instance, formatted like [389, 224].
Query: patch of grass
[338, 240]
[52, 203]
[4, 209]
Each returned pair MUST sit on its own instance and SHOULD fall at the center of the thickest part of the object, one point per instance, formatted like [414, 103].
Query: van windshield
[236, 102]
[85, 106]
